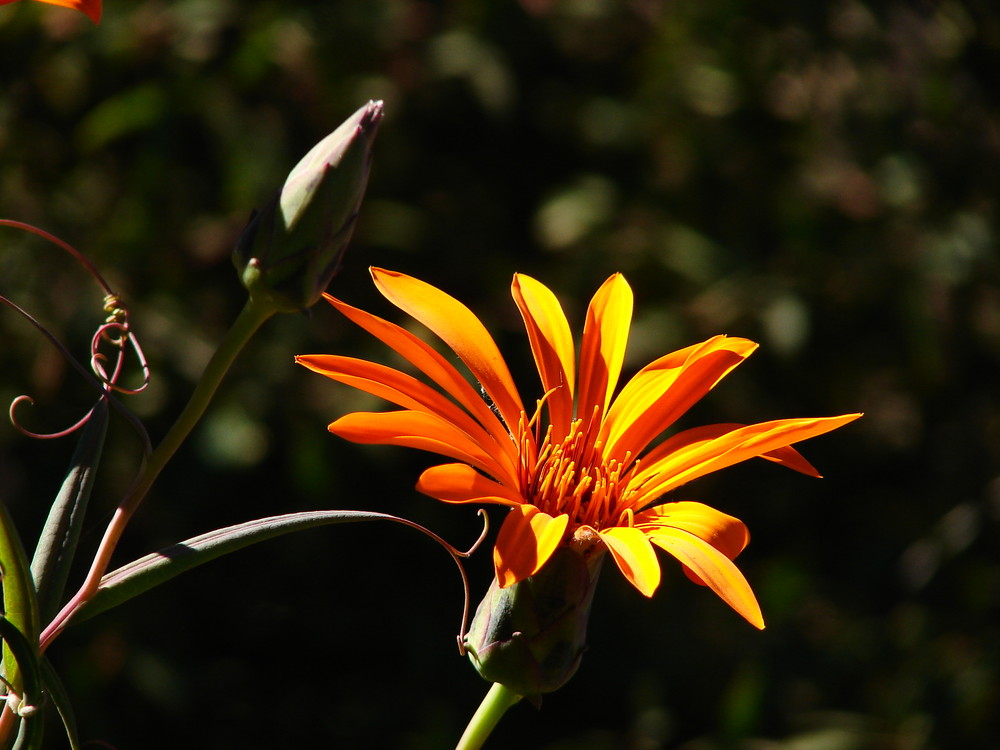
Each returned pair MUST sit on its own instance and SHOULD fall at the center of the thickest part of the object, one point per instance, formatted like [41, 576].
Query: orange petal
[526, 541]
[426, 359]
[702, 458]
[605, 334]
[414, 429]
[787, 456]
[408, 392]
[792, 459]
[552, 346]
[92, 8]
[634, 556]
[726, 533]
[460, 483]
[714, 568]
[663, 391]
[460, 329]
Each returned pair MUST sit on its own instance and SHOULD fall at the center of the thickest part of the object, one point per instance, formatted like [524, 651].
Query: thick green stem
[484, 721]
[250, 319]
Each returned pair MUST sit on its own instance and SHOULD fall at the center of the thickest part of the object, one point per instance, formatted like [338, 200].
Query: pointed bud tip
[372, 113]
[354, 135]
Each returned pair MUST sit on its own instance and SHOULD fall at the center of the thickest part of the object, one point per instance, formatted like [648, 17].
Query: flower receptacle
[530, 636]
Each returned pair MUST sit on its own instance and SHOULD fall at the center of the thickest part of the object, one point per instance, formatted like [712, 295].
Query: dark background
[819, 177]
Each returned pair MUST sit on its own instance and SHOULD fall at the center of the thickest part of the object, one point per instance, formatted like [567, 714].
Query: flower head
[579, 468]
[92, 8]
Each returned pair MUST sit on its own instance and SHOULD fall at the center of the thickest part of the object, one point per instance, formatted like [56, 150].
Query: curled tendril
[115, 308]
[97, 383]
[457, 555]
[118, 334]
[43, 435]
[465, 611]
[114, 332]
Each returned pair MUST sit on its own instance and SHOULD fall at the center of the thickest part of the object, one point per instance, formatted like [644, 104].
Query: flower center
[572, 476]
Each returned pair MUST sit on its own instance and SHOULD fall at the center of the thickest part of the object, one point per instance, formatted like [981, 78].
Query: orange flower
[586, 474]
[91, 7]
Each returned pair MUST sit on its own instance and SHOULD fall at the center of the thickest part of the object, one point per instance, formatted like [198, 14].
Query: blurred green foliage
[821, 177]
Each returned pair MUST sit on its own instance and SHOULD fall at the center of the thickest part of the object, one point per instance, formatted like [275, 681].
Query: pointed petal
[634, 556]
[92, 8]
[792, 459]
[602, 351]
[663, 391]
[526, 541]
[787, 456]
[726, 533]
[552, 346]
[714, 568]
[460, 483]
[408, 392]
[460, 329]
[702, 458]
[426, 359]
[414, 429]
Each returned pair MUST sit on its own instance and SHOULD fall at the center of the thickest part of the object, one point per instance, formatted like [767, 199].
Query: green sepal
[530, 636]
[57, 543]
[147, 572]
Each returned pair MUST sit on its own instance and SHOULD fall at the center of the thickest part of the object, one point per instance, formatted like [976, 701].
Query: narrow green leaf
[23, 664]
[56, 693]
[58, 540]
[143, 574]
[40, 685]
[20, 606]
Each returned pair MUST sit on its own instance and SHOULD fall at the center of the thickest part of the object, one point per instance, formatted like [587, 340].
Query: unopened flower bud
[530, 636]
[290, 250]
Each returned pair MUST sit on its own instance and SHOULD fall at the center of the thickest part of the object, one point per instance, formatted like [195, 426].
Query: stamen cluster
[572, 477]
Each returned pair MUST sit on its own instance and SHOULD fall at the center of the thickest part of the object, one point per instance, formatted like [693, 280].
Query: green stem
[488, 715]
[250, 319]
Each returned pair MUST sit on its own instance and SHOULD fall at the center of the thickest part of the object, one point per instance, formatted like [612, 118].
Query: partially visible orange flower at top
[578, 467]
[91, 7]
